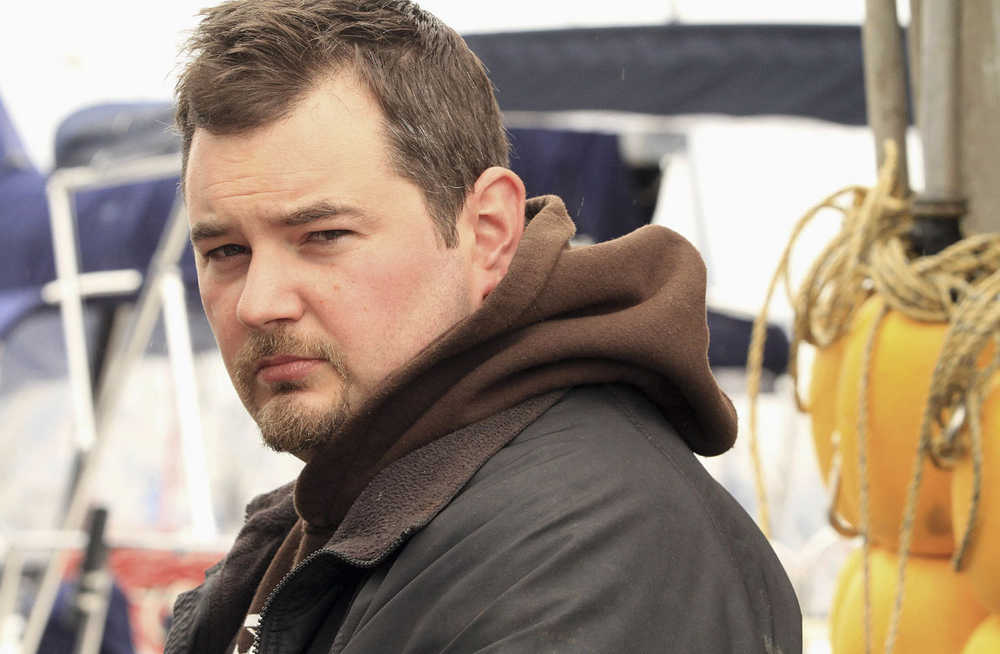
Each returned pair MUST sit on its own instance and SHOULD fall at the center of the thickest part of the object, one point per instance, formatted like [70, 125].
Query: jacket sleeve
[608, 538]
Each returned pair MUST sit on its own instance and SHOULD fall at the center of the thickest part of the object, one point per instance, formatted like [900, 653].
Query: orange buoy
[823, 383]
[940, 610]
[905, 352]
[823, 401]
[844, 578]
[986, 638]
[982, 562]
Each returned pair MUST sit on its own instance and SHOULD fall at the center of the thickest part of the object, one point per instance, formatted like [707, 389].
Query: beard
[285, 424]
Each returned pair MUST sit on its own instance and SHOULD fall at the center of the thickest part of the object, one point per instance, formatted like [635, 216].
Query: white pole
[175, 319]
[885, 80]
[64, 244]
[938, 100]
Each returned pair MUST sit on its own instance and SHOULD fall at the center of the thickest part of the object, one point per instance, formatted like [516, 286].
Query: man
[497, 428]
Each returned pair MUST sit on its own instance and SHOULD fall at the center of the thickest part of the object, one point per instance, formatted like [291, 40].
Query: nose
[269, 294]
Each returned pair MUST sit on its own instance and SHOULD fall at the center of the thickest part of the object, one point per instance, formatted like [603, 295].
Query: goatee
[285, 425]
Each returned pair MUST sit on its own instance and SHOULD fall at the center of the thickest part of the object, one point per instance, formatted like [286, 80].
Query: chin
[290, 421]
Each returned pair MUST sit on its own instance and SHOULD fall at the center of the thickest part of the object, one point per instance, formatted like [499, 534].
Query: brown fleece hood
[630, 310]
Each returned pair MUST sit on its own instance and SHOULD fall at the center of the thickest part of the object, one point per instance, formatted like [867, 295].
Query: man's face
[320, 268]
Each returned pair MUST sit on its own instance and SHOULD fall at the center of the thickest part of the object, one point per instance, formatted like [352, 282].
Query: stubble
[285, 424]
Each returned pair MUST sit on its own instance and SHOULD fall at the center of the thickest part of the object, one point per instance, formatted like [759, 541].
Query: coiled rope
[960, 286]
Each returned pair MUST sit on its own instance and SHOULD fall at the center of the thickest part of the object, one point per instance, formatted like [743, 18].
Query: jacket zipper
[286, 579]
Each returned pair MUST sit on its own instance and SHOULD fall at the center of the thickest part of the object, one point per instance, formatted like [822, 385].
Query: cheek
[383, 307]
[403, 286]
[421, 298]
[221, 313]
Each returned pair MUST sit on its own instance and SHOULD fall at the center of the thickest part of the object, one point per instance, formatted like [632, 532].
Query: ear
[495, 221]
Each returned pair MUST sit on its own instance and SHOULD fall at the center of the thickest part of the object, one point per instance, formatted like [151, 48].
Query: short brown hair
[252, 61]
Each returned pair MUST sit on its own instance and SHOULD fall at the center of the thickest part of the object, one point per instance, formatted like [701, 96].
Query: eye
[327, 235]
[225, 252]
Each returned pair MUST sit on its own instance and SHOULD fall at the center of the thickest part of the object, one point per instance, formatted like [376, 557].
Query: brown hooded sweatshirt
[627, 311]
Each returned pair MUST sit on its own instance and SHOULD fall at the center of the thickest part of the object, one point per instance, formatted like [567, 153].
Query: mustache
[282, 342]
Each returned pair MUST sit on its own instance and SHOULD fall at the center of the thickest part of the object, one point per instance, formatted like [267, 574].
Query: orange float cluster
[943, 610]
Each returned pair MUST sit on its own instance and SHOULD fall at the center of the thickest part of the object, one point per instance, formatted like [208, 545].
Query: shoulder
[607, 447]
[203, 617]
[599, 513]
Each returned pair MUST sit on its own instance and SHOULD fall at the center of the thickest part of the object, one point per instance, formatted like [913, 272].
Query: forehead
[333, 137]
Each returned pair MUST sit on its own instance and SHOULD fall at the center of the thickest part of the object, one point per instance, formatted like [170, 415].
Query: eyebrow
[210, 229]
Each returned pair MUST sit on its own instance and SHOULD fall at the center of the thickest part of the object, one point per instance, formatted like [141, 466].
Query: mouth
[285, 368]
